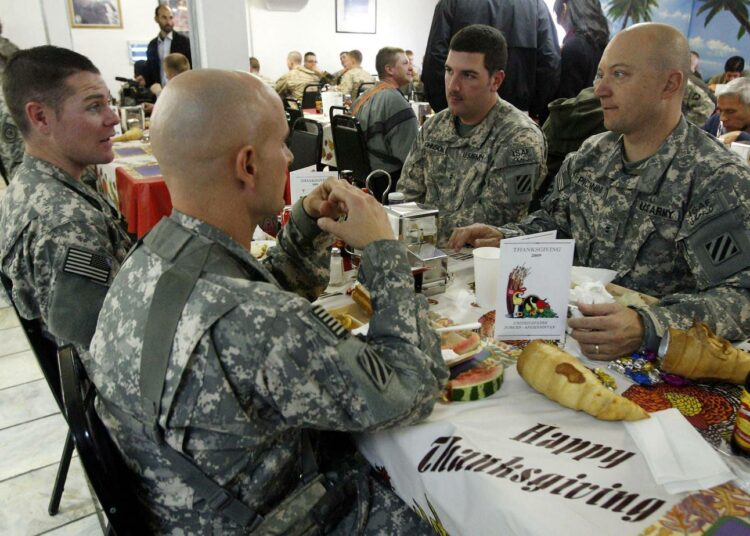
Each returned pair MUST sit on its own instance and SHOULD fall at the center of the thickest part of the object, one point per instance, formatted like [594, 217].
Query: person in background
[533, 71]
[292, 83]
[162, 45]
[655, 199]
[387, 118]
[7, 49]
[254, 374]
[482, 158]
[731, 121]
[698, 103]
[354, 75]
[733, 68]
[586, 35]
[255, 69]
[60, 241]
[338, 74]
[414, 68]
[695, 64]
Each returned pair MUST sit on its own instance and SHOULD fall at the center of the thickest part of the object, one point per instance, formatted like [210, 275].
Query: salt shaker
[396, 198]
[337, 268]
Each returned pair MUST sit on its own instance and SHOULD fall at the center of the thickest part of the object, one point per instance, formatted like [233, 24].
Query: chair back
[337, 110]
[310, 95]
[293, 111]
[350, 147]
[364, 86]
[106, 470]
[306, 143]
[44, 350]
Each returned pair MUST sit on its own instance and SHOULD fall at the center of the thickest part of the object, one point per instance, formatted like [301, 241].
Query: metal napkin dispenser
[417, 227]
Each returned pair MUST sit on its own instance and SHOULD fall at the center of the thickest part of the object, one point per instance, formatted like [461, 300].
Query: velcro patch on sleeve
[330, 323]
[378, 370]
[721, 248]
[524, 184]
[87, 264]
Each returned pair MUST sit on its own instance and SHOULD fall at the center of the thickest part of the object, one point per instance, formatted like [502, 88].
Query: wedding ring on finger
[596, 349]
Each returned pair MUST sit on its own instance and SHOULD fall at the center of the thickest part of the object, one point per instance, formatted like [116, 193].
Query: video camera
[131, 94]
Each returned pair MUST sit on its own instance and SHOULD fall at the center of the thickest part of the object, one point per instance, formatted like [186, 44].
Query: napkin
[678, 457]
[590, 292]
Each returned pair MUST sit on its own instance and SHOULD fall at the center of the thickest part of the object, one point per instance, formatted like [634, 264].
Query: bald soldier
[656, 199]
[249, 369]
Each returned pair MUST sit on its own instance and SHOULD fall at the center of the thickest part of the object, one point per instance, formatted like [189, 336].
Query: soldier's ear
[674, 84]
[496, 79]
[245, 168]
[37, 114]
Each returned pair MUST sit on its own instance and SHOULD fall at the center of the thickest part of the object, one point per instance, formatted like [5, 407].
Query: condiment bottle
[337, 268]
[741, 436]
[396, 198]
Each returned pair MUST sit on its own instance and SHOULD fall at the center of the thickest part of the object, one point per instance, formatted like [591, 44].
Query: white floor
[32, 433]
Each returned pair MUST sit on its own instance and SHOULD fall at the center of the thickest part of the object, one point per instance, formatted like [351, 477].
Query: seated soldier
[481, 159]
[60, 241]
[354, 75]
[387, 118]
[292, 84]
[249, 369]
[731, 122]
[656, 199]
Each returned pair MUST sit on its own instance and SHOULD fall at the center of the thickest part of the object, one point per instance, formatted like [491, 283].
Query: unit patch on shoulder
[86, 264]
[721, 248]
[378, 370]
[524, 184]
[520, 154]
[330, 323]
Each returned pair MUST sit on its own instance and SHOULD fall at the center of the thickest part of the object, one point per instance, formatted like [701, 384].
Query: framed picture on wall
[95, 13]
[356, 16]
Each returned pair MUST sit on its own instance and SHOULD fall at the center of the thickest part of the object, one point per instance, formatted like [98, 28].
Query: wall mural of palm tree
[716, 29]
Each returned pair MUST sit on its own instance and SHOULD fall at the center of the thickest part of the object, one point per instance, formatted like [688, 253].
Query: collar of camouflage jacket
[449, 133]
[646, 175]
[44, 168]
[220, 237]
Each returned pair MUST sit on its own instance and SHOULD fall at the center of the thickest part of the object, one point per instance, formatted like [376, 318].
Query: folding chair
[111, 479]
[45, 352]
[310, 95]
[350, 147]
[364, 86]
[306, 144]
[293, 111]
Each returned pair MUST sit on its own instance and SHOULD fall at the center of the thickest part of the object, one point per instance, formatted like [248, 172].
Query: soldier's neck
[646, 142]
[56, 159]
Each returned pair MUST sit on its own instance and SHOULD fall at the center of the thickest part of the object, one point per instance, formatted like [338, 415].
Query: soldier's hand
[607, 331]
[316, 203]
[366, 220]
[477, 235]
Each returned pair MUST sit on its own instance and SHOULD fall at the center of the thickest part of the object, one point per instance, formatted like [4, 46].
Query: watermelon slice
[475, 384]
[467, 345]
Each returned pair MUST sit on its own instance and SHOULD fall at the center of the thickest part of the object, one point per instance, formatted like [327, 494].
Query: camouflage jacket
[292, 84]
[253, 363]
[674, 225]
[488, 176]
[60, 245]
[11, 144]
[696, 103]
[351, 80]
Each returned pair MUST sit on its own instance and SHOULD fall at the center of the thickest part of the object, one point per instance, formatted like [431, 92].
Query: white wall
[400, 23]
[23, 23]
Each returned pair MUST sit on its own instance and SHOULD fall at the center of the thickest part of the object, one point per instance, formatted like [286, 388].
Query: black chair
[293, 111]
[350, 147]
[107, 472]
[310, 94]
[337, 110]
[364, 86]
[45, 352]
[306, 144]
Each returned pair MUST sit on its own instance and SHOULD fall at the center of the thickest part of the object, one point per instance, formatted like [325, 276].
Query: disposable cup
[486, 272]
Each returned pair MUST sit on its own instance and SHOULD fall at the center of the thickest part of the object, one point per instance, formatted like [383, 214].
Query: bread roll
[563, 378]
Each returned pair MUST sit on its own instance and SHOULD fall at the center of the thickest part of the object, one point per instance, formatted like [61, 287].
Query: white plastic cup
[486, 272]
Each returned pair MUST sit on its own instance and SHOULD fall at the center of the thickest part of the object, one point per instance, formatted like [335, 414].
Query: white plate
[581, 274]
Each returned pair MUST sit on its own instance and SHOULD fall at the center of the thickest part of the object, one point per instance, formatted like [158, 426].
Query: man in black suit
[167, 42]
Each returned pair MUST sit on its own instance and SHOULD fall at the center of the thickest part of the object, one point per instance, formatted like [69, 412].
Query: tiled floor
[32, 433]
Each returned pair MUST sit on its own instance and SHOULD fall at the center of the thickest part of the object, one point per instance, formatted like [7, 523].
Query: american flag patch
[379, 371]
[333, 325]
[86, 264]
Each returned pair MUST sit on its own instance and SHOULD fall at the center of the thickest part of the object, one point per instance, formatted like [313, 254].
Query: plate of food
[259, 248]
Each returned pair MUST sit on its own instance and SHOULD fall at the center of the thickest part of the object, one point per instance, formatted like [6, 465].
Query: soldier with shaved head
[656, 199]
[220, 381]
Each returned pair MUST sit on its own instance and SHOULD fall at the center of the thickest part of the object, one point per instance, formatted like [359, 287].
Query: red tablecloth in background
[143, 201]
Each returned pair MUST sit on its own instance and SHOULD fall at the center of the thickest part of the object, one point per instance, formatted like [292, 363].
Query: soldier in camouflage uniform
[354, 76]
[11, 144]
[60, 241]
[292, 84]
[7, 49]
[481, 159]
[252, 365]
[669, 211]
[697, 104]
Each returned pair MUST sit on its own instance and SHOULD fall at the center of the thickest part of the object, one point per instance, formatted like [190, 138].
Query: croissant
[563, 378]
[698, 354]
[361, 297]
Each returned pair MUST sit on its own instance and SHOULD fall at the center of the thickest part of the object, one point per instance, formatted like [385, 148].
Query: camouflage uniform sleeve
[313, 373]
[412, 182]
[300, 260]
[715, 240]
[74, 264]
[553, 215]
[282, 85]
[697, 105]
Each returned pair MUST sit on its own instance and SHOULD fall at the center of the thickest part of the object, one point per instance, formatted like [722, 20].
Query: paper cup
[486, 272]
